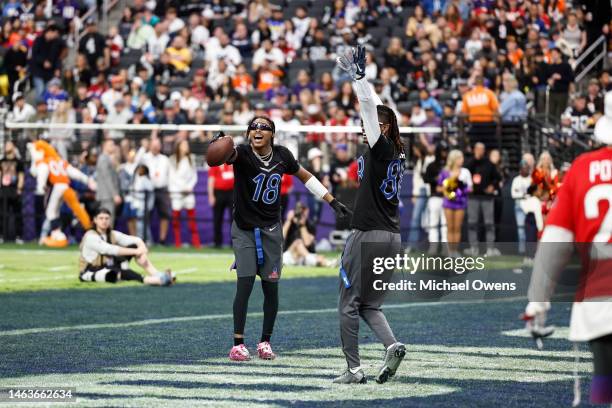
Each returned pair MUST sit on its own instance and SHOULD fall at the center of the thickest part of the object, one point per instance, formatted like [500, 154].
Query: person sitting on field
[299, 235]
[105, 256]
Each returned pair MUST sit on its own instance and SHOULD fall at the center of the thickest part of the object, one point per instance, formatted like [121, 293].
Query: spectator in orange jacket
[480, 104]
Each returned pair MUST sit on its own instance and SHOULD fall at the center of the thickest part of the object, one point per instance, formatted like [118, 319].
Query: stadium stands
[441, 45]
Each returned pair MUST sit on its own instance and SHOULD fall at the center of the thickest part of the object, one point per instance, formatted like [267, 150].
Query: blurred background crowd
[510, 77]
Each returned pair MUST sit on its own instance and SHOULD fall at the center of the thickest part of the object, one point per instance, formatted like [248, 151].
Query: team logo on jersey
[274, 274]
[270, 169]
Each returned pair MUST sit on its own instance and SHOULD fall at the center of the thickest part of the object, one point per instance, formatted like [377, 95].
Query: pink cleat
[265, 351]
[239, 353]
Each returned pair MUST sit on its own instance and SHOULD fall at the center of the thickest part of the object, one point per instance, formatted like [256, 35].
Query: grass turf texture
[131, 345]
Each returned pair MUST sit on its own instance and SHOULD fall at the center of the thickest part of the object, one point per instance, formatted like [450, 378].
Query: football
[220, 151]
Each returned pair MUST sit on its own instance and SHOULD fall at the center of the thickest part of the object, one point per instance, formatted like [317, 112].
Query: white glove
[353, 62]
[535, 321]
[91, 183]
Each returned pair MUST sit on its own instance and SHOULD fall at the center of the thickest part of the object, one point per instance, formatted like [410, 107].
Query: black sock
[270, 308]
[238, 341]
[244, 286]
[128, 274]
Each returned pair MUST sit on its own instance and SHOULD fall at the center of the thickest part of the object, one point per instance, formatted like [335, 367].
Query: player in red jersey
[582, 214]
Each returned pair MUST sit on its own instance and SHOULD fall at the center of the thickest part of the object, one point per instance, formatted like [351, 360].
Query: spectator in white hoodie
[158, 164]
[183, 178]
[22, 111]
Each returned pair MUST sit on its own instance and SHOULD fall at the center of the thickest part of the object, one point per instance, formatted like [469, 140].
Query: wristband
[315, 187]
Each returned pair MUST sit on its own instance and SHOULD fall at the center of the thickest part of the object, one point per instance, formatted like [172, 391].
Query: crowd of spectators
[217, 61]
[220, 62]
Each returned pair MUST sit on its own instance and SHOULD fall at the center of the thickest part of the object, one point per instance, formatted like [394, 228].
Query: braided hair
[387, 116]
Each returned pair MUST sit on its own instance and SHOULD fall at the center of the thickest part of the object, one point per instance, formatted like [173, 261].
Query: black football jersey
[380, 171]
[257, 187]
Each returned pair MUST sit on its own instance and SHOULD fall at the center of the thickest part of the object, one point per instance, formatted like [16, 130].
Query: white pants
[291, 260]
[55, 201]
[436, 218]
[182, 201]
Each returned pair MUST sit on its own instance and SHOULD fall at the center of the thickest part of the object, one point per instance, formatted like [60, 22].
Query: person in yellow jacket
[180, 55]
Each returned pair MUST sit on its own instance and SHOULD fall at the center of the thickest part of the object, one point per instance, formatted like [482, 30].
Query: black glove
[359, 58]
[340, 209]
[218, 136]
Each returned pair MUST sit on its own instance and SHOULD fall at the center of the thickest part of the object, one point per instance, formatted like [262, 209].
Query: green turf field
[131, 345]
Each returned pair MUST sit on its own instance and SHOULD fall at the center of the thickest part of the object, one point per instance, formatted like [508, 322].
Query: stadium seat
[215, 105]
[253, 95]
[405, 107]
[300, 64]
[406, 13]
[316, 12]
[291, 75]
[445, 96]
[298, 3]
[389, 22]
[321, 66]
[398, 31]
[197, 63]
[379, 54]
[378, 34]
[384, 43]
[180, 83]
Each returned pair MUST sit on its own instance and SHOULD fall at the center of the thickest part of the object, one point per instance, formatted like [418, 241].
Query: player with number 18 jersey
[257, 237]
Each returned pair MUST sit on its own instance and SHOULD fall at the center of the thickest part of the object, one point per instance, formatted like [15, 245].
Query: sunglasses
[260, 126]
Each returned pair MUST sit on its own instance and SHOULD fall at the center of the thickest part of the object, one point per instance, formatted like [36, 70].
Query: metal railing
[600, 56]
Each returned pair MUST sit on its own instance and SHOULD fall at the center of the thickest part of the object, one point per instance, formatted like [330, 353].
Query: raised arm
[367, 102]
[353, 63]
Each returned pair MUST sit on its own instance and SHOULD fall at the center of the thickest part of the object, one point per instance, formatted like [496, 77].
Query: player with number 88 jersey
[375, 220]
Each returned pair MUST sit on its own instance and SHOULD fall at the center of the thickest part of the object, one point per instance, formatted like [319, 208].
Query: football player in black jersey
[257, 237]
[375, 220]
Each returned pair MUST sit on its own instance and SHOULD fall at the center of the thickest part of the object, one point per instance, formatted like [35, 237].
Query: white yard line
[186, 271]
[147, 322]
[59, 268]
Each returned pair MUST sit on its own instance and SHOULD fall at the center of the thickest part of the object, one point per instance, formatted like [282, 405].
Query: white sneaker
[493, 252]
[472, 251]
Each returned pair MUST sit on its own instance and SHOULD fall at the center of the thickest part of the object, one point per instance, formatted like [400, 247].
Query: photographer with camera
[299, 235]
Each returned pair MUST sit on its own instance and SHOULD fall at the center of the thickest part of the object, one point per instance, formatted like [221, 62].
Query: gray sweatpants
[476, 204]
[353, 302]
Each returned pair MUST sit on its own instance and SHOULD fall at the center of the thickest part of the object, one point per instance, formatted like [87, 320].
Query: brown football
[220, 151]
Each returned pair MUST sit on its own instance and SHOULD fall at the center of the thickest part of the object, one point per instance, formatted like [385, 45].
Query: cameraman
[298, 232]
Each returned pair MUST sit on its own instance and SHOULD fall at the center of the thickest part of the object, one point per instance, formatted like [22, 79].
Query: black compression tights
[244, 286]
